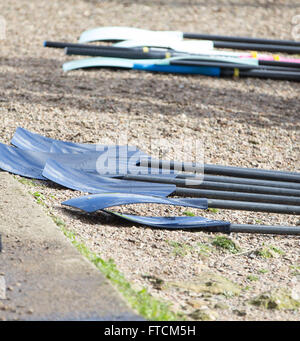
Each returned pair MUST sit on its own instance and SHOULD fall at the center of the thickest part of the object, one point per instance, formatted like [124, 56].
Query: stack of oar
[117, 175]
[168, 52]
[238, 188]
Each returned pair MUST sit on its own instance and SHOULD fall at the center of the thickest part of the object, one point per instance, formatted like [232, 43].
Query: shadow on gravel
[42, 81]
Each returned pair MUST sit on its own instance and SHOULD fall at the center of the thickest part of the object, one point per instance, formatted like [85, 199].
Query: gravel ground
[246, 122]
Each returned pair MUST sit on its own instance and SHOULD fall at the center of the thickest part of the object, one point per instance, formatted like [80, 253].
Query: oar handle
[63, 45]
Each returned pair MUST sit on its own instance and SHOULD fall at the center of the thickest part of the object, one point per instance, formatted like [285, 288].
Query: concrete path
[42, 275]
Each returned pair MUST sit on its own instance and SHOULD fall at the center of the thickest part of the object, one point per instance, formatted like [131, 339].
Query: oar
[211, 185]
[262, 65]
[253, 206]
[240, 43]
[117, 33]
[142, 53]
[185, 60]
[188, 60]
[260, 41]
[146, 53]
[193, 46]
[263, 229]
[96, 202]
[146, 65]
[255, 173]
[257, 47]
[242, 181]
[238, 196]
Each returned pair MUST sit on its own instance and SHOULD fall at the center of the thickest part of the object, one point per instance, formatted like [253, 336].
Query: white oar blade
[118, 33]
[106, 62]
[97, 62]
[186, 46]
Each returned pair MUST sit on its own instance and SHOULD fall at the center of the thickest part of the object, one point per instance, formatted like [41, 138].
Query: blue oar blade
[30, 163]
[173, 222]
[25, 163]
[92, 203]
[25, 139]
[95, 183]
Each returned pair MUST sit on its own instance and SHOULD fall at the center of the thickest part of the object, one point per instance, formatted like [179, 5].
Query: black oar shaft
[241, 39]
[223, 170]
[238, 196]
[264, 229]
[268, 74]
[123, 53]
[245, 181]
[261, 229]
[260, 66]
[293, 65]
[63, 45]
[223, 186]
[257, 47]
[253, 206]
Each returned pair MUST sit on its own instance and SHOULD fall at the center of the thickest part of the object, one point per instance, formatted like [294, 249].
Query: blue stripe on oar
[199, 70]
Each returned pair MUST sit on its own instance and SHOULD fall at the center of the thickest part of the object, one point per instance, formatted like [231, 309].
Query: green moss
[180, 249]
[252, 278]
[204, 315]
[210, 283]
[295, 270]
[277, 250]
[188, 213]
[263, 271]
[269, 252]
[225, 243]
[147, 306]
[204, 249]
[58, 221]
[213, 210]
[40, 198]
[277, 299]
[25, 181]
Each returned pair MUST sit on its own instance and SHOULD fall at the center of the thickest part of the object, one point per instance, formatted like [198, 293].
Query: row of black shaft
[234, 188]
[272, 69]
[228, 187]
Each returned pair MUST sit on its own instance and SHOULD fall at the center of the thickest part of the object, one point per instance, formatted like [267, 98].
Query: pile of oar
[169, 52]
[118, 175]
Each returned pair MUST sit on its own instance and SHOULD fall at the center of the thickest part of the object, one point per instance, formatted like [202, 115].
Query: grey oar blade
[95, 183]
[31, 163]
[95, 202]
[25, 139]
[173, 223]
